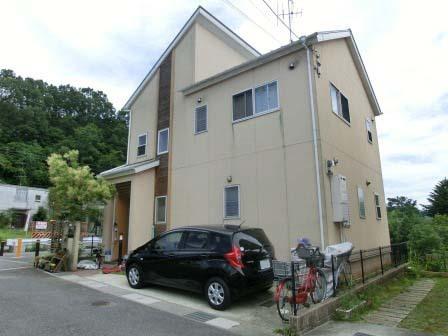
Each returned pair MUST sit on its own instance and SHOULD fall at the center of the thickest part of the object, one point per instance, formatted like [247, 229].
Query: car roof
[220, 228]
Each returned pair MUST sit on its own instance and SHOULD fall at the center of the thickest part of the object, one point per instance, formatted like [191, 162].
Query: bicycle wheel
[285, 294]
[320, 287]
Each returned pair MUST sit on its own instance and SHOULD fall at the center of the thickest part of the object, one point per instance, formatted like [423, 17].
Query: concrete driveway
[254, 315]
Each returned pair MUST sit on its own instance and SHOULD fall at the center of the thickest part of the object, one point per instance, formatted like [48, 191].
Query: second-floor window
[339, 103]
[37, 198]
[369, 130]
[141, 147]
[259, 100]
[162, 141]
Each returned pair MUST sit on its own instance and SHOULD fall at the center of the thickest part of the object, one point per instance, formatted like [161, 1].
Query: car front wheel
[217, 294]
[134, 276]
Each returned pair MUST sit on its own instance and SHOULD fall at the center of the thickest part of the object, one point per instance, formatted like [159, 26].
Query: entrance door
[121, 225]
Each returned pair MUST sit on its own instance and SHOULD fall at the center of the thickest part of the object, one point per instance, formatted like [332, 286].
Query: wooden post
[76, 237]
[381, 260]
[19, 247]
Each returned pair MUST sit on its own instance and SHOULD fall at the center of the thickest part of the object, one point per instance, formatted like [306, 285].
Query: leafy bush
[6, 218]
[41, 214]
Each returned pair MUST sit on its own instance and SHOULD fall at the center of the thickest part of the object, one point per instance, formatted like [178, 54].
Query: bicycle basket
[311, 255]
[282, 269]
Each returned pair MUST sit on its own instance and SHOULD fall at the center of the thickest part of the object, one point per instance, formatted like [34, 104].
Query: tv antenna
[290, 14]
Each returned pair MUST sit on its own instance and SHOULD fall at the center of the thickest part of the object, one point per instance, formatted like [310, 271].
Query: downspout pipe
[316, 154]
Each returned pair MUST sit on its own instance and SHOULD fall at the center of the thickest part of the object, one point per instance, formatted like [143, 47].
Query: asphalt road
[33, 303]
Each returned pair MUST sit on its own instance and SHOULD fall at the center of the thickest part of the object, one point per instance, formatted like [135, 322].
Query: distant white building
[25, 201]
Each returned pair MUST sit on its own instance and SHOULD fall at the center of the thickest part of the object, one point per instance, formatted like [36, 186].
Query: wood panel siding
[163, 121]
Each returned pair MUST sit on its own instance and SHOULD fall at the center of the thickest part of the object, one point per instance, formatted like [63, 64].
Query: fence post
[381, 260]
[362, 266]
[293, 283]
[332, 272]
[91, 247]
[36, 252]
[120, 249]
[2, 247]
[398, 256]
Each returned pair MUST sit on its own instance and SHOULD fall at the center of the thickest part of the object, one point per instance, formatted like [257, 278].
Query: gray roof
[129, 169]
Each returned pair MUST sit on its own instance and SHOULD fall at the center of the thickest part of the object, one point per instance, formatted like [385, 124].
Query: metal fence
[368, 263]
[359, 267]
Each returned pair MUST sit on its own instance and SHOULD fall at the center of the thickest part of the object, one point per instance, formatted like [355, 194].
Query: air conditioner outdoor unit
[339, 198]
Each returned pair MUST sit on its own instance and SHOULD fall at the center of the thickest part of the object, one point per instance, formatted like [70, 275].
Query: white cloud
[111, 44]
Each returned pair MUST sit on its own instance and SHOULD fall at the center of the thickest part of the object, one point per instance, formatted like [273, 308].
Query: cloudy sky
[110, 45]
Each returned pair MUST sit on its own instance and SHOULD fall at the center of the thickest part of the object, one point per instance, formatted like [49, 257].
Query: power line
[250, 19]
[283, 22]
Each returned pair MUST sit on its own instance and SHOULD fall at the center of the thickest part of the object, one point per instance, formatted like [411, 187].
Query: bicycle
[310, 285]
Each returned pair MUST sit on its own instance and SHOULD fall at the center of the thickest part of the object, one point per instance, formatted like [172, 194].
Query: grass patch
[375, 296]
[431, 315]
[13, 233]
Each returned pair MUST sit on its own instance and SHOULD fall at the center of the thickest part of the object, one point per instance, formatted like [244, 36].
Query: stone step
[398, 314]
[378, 315]
[381, 322]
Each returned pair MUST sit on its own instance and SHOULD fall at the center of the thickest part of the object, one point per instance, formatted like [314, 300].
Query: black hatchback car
[222, 262]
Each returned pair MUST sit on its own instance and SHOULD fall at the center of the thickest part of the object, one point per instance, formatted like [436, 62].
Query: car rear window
[219, 242]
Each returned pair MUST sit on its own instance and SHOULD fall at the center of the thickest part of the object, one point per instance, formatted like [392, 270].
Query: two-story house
[285, 141]
[23, 201]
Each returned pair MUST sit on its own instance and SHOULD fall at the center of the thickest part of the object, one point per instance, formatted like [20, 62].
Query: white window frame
[255, 114]
[369, 125]
[167, 141]
[267, 88]
[375, 197]
[339, 113]
[156, 209]
[37, 198]
[359, 188]
[206, 118]
[146, 144]
[239, 202]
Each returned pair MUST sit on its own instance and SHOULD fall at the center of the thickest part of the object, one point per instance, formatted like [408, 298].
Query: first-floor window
[232, 201]
[37, 198]
[377, 206]
[161, 209]
[141, 147]
[200, 119]
[162, 141]
[362, 205]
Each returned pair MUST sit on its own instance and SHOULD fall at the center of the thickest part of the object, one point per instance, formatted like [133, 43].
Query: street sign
[41, 225]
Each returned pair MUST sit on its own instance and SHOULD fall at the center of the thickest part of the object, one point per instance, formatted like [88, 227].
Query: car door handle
[204, 255]
[171, 255]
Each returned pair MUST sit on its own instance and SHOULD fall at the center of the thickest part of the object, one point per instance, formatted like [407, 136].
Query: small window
[362, 204]
[161, 209]
[37, 198]
[200, 119]
[242, 105]
[162, 141]
[168, 242]
[266, 98]
[232, 202]
[369, 130]
[339, 103]
[141, 148]
[377, 206]
[196, 240]
[219, 242]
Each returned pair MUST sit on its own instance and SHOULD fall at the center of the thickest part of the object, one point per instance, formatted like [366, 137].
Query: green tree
[402, 215]
[41, 214]
[75, 190]
[37, 119]
[423, 239]
[438, 199]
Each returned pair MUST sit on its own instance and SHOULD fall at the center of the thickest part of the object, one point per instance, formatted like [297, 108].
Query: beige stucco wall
[144, 120]
[141, 215]
[359, 160]
[212, 54]
[269, 156]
